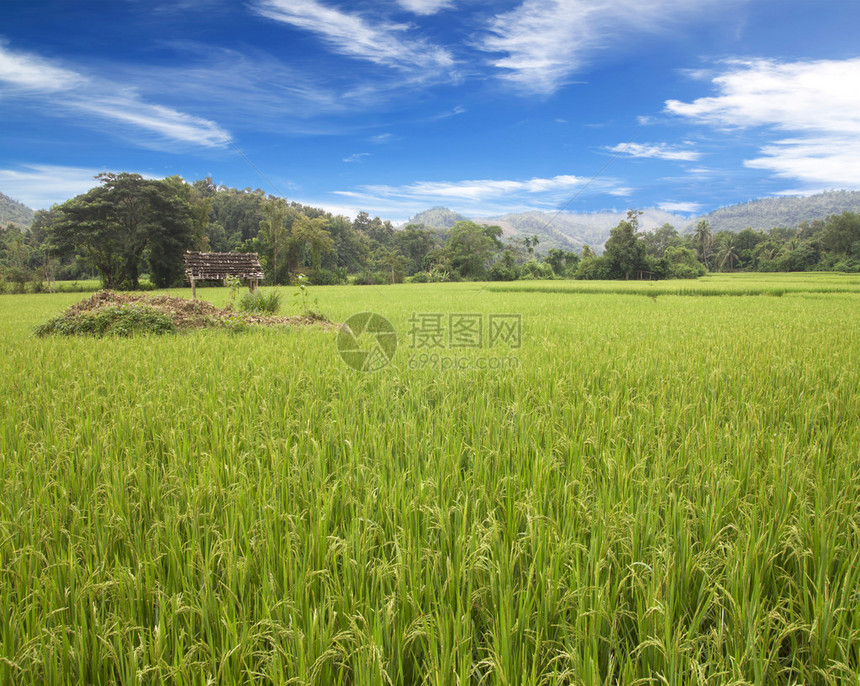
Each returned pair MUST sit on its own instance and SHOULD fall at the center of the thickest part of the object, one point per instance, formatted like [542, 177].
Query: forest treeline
[128, 227]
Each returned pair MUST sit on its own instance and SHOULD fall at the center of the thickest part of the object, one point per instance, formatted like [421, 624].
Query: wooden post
[193, 288]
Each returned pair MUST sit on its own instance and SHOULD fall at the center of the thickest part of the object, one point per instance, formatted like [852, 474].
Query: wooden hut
[217, 266]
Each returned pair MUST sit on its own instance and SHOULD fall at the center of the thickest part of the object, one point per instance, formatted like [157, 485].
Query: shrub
[536, 270]
[328, 277]
[367, 278]
[592, 268]
[260, 303]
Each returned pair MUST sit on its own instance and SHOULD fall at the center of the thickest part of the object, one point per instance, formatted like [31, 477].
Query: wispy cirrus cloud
[28, 73]
[357, 157]
[478, 197]
[659, 151]
[67, 91]
[380, 42]
[425, 6]
[543, 42]
[815, 101]
[41, 185]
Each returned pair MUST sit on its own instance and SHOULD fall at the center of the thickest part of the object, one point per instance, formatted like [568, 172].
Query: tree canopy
[125, 222]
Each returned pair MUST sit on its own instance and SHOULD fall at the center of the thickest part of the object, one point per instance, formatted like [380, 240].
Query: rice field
[659, 490]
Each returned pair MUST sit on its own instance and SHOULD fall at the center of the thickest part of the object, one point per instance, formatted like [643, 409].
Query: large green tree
[124, 223]
[471, 248]
[625, 251]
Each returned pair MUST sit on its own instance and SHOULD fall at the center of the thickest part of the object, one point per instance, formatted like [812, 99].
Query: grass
[261, 302]
[662, 491]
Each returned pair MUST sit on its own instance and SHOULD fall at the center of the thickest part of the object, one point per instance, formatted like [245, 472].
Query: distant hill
[566, 230]
[788, 212]
[437, 218]
[571, 231]
[15, 212]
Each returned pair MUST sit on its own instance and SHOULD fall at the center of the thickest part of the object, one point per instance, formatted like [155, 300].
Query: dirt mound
[167, 312]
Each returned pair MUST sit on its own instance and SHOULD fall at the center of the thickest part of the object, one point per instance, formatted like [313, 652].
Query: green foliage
[234, 284]
[591, 268]
[471, 247]
[129, 227]
[261, 302]
[505, 268]
[536, 270]
[129, 319]
[126, 220]
[625, 251]
[329, 277]
[680, 263]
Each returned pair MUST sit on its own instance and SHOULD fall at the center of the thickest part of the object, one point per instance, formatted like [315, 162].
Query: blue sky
[394, 106]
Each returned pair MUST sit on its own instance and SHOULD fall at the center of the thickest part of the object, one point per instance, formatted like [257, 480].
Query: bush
[592, 268]
[260, 303]
[120, 320]
[367, 278]
[503, 272]
[847, 264]
[536, 270]
[328, 277]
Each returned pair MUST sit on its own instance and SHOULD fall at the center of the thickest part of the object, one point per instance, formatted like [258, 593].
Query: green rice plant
[660, 491]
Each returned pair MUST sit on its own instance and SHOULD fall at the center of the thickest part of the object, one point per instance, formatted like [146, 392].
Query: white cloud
[41, 185]
[65, 90]
[480, 197]
[357, 157]
[545, 41]
[475, 190]
[350, 34]
[425, 6]
[686, 207]
[31, 73]
[816, 101]
[660, 151]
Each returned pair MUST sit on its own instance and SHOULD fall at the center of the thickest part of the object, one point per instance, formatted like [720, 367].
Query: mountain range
[571, 230]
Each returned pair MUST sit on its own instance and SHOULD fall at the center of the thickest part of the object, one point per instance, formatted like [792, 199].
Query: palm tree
[728, 253]
[704, 241]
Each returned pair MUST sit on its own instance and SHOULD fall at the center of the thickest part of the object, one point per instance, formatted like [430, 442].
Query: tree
[624, 251]
[311, 233]
[842, 234]
[471, 248]
[505, 268]
[657, 241]
[563, 262]
[391, 261]
[275, 231]
[703, 241]
[415, 244]
[727, 252]
[124, 221]
[679, 262]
